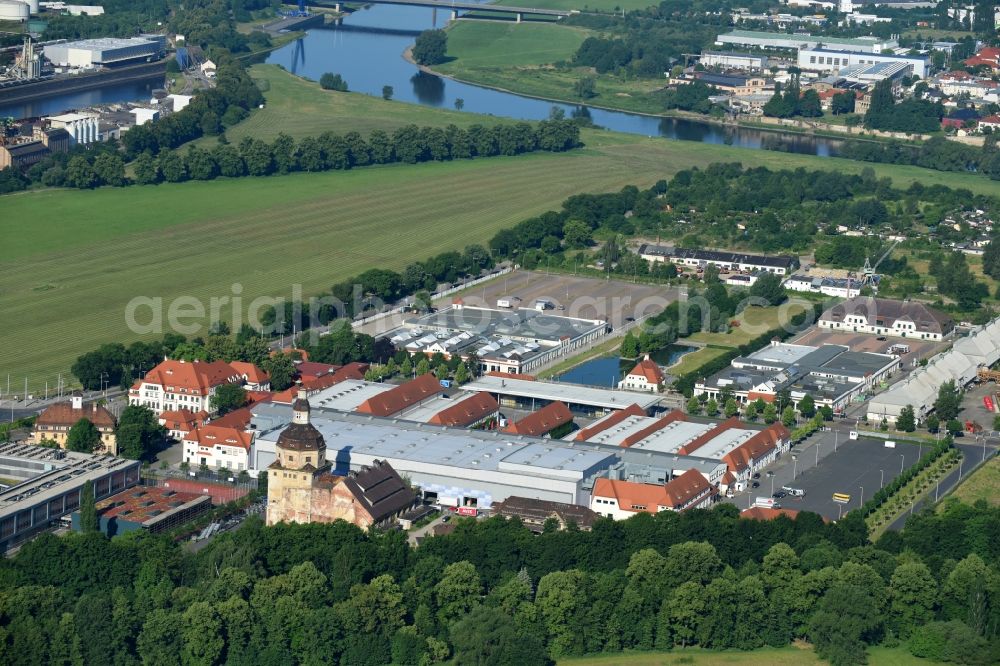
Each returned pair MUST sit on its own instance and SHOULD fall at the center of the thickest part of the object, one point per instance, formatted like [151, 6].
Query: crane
[868, 271]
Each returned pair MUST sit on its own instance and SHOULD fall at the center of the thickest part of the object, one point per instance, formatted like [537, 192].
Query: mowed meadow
[71, 261]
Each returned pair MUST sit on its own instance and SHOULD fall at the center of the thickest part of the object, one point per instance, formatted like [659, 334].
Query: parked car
[780, 494]
[755, 484]
[756, 475]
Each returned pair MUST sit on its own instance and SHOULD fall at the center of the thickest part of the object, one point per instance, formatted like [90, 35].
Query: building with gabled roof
[882, 316]
[724, 260]
[534, 513]
[55, 422]
[767, 513]
[303, 489]
[549, 418]
[478, 409]
[645, 376]
[398, 398]
[176, 385]
[218, 447]
[254, 379]
[180, 422]
[960, 364]
[623, 499]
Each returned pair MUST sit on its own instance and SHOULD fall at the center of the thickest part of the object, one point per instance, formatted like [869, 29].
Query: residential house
[645, 376]
[218, 447]
[55, 422]
[180, 422]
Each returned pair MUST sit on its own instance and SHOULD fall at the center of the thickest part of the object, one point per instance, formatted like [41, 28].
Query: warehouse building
[891, 66]
[583, 400]
[828, 286]
[452, 467]
[511, 341]
[49, 483]
[773, 40]
[832, 374]
[960, 364]
[150, 508]
[728, 261]
[734, 60]
[106, 51]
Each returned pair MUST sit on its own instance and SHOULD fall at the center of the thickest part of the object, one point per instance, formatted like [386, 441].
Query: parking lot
[862, 342]
[855, 465]
[588, 298]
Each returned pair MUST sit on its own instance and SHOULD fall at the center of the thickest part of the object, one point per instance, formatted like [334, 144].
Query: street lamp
[902, 459]
[862, 495]
[795, 466]
[818, 443]
[771, 474]
[881, 481]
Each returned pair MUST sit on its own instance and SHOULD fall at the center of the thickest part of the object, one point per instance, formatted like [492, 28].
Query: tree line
[936, 153]
[493, 593]
[329, 151]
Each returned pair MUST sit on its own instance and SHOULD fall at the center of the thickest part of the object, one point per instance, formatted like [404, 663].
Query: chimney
[77, 402]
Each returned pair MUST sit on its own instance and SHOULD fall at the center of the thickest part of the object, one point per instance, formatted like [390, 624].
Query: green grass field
[512, 45]
[694, 360]
[594, 5]
[72, 260]
[754, 321]
[482, 53]
[789, 656]
[983, 484]
[301, 108]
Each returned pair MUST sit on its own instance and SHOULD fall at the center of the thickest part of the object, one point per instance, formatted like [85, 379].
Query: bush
[331, 81]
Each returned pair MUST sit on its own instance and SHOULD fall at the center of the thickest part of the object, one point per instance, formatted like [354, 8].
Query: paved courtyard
[588, 298]
[861, 342]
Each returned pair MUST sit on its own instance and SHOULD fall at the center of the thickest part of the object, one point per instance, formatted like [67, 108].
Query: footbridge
[455, 7]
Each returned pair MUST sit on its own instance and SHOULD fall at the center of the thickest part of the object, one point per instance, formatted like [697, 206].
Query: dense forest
[493, 593]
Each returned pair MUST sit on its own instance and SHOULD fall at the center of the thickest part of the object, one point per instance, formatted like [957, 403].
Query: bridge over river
[455, 7]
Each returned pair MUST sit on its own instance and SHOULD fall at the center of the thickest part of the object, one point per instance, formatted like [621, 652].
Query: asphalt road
[974, 454]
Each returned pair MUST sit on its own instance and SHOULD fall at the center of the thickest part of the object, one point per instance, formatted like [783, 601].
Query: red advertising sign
[988, 402]
[468, 511]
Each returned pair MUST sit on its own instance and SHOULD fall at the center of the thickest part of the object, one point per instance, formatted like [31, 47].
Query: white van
[794, 492]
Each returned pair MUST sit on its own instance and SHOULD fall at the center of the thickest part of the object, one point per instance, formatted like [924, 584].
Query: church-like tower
[301, 457]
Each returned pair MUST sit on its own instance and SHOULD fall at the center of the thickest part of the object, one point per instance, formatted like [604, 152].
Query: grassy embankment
[789, 656]
[482, 51]
[983, 484]
[71, 272]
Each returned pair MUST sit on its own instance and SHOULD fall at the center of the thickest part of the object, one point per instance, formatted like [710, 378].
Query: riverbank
[480, 61]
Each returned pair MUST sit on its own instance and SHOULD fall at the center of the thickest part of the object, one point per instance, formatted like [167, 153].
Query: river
[367, 47]
[109, 94]
[367, 50]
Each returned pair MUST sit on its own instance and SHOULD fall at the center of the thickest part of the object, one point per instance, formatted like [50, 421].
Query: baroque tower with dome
[302, 488]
